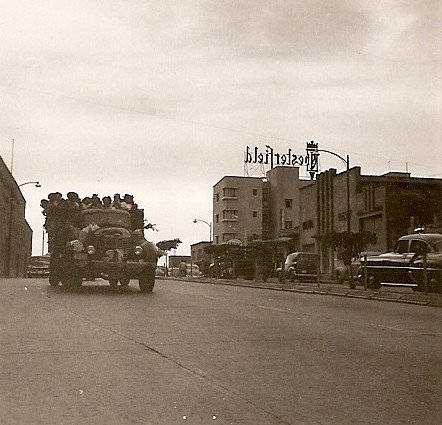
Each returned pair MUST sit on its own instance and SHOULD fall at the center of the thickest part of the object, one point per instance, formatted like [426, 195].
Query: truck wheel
[54, 270]
[53, 280]
[124, 281]
[113, 282]
[147, 281]
[74, 281]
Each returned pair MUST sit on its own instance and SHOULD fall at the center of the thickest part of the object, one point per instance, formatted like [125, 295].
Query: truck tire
[54, 270]
[54, 280]
[113, 282]
[74, 280]
[124, 281]
[147, 281]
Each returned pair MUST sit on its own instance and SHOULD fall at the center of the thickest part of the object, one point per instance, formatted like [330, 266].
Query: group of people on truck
[73, 201]
[62, 215]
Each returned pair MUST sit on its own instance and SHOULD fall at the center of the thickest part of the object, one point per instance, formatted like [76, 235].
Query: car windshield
[106, 218]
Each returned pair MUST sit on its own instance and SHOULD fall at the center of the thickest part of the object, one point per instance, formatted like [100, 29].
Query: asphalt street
[213, 354]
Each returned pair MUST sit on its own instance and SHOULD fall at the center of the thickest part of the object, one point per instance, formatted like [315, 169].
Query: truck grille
[112, 242]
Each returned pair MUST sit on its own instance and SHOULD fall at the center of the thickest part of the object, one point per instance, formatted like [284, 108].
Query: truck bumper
[131, 269]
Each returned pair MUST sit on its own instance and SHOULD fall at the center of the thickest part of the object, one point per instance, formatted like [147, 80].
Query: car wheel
[374, 282]
[340, 278]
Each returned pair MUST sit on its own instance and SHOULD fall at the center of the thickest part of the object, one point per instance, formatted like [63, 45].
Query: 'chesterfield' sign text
[271, 158]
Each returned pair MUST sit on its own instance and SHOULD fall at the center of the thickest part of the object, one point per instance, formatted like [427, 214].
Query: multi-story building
[237, 209]
[15, 232]
[251, 208]
[284, 186]
[200, 257]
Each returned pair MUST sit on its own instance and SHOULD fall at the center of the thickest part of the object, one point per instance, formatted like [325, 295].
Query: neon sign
[253, 155]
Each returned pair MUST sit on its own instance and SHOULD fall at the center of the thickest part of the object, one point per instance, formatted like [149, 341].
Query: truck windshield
[106, 218]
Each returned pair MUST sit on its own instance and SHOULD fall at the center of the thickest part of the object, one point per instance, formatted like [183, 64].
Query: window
[255, 214]
[288, 203]
[230, 192]
[288, 225]
[216, 218]
[419, 247]
[402, 247]
[217, 197]
[216, 240]
[230, 215]
[255, 192]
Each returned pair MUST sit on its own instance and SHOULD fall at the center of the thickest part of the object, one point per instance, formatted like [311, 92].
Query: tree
[150, 226]
[350, 245]
[169, 244]
[166, 246]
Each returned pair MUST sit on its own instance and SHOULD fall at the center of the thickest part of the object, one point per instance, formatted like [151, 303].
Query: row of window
[232, 215]
[232, 192]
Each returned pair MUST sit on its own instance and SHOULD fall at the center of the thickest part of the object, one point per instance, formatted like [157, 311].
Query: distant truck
[103, 243]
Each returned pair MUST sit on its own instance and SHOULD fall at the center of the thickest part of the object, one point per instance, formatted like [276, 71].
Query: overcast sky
[160, 98]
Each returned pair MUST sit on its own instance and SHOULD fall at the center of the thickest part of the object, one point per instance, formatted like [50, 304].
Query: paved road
[203, 354]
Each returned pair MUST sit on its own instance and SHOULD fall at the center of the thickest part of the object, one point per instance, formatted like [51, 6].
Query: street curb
[362, 294]
[350, 293]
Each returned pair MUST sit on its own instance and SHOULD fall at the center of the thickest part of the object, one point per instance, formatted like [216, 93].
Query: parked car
[302, 266]
[38, 266]
[224, 271]
[341, 271]
[160, 271]
[191, 270]
[405, 265]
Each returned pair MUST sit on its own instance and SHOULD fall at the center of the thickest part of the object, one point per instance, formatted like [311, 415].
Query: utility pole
[12, 155]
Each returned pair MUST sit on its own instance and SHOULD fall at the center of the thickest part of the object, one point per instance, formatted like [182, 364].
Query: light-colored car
[160, 271]
[191, 270]
[417, 259]
[341, 272]
[302, 266]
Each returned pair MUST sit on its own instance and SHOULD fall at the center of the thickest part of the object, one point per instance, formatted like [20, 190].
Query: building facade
[237, 209]
[200, 257]
[390, 205]
[256, 208]
[300, 213]
[15, 232]
[284, 201]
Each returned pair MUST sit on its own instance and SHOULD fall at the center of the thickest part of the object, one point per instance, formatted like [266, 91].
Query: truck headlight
[91, 250]
[138, 250]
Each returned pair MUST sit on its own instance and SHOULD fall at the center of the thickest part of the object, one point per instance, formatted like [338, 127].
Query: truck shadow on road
[95, 288]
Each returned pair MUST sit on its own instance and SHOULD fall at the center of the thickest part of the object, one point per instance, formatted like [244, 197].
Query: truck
[99, 243]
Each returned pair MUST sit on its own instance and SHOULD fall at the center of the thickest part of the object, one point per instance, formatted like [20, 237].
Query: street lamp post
[205, 222]
[37, 184]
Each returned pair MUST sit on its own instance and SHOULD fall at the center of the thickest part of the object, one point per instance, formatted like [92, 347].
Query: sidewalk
[391, 294]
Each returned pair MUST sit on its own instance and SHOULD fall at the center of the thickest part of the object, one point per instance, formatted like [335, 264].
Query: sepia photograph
[220, 212]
